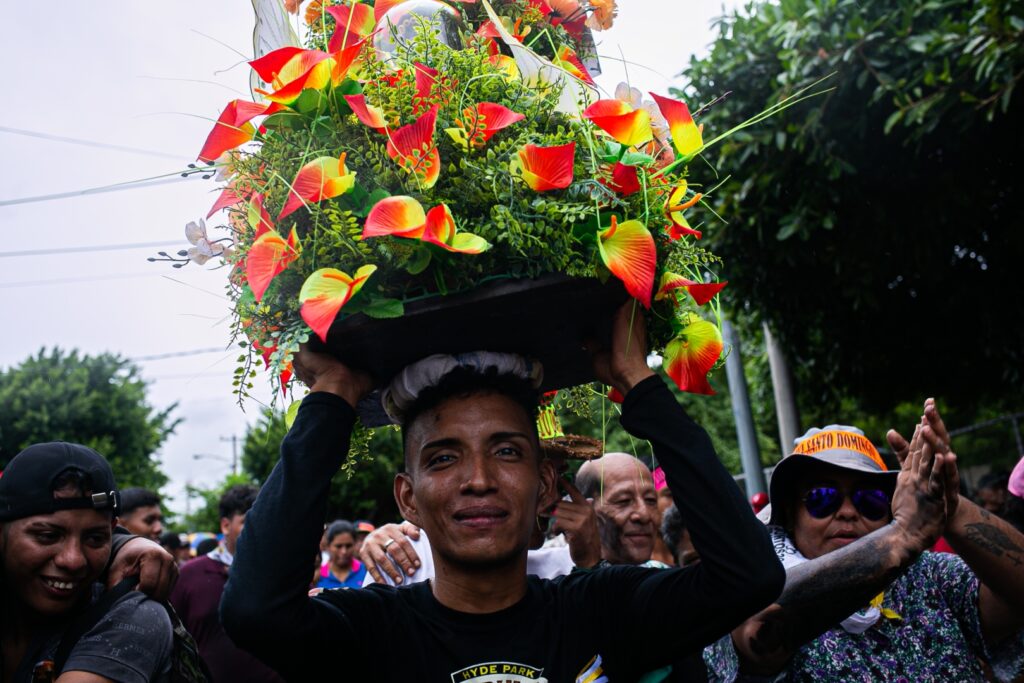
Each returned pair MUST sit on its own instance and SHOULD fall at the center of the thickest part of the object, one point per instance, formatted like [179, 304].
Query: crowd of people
[506, 568]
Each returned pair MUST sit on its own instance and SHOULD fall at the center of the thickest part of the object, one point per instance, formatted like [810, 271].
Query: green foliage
[207, 516]
[362, 488]
[98, 401]
[586, 411]
[874, 227]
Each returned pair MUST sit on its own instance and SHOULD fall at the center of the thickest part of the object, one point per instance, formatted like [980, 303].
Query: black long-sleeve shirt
[635, 620]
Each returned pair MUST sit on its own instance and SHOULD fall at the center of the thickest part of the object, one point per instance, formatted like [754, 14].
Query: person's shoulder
[138, 608]
[201, 565]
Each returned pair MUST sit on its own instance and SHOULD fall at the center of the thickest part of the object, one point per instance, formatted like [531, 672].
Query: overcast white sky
[153, 76]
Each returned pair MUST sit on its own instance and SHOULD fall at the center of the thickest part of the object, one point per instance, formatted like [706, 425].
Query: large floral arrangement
[416, 149]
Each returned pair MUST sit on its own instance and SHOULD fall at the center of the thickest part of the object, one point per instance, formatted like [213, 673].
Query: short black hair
[672, 528]
[137, 497]
[994, 481]
[341, 526]
[205, 546]
[237, 500]
[170, 540]
[462, 382]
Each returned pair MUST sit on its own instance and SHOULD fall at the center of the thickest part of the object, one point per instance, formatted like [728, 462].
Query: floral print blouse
[937, 637]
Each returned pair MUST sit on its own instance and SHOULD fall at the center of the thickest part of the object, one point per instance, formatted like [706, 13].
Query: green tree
[361, 489]
[98, 401]
[874, 227]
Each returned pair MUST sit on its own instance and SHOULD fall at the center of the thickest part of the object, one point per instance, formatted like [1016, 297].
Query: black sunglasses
[824, 501]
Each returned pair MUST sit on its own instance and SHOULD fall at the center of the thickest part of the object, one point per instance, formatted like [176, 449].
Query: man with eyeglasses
[864, 600]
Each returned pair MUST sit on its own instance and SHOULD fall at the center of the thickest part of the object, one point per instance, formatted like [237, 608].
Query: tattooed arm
[822, 592]
[990, 546]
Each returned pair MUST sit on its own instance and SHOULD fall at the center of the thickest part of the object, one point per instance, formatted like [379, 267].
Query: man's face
[232, 529]
[815, 537]
[626, 510]
[51, 561]
[474, 482]
[145, 521]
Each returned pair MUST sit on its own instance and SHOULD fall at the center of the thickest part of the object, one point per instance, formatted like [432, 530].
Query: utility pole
[782, 386]
[234, 452]
[750, 455]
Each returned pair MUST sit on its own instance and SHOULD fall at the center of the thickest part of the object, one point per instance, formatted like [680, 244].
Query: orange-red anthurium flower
[228, 197]
[257, 215]
[691, 355]
[413, 147]
[701, 292]
[325, 292]
[402, 216]
[568, 60]
[352, 23]
[233, 127]
[628, 251]
[624, 180]
[290, 70]
[368, 115]
[397, 216]
[268, 256]
[686, 135]
[320, 179]
[440, 231]
[545, 168]
[675, 205]
[619, 119]
[479, 124]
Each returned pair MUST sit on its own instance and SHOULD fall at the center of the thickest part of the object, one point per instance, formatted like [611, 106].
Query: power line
[79, 250]
[71, 280]
[89, 143]
[179, 354]
[116, 187]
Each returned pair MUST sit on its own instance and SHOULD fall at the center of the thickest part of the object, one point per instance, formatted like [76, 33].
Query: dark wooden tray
[547, 318]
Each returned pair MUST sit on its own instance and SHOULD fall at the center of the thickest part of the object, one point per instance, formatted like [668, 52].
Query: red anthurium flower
[619, 119]
[412, 146]
[441, 231]
[352, 23]
[257, 215]
[686, 135]
[266, 350]
[367, 114]
[342, 60]
[269, 255]
[233, 128]
[426, 79]
[568, 60]
[545, 168]
[325, 292]
[480, 123]
[628, 251]
[380, 7]
[675, 205]
[397, 216]
[624, 180]
[290, 70]
[323, 178]
[615, 396]
[402, 216]
[226, 198]
[700, 291]
[691, 355]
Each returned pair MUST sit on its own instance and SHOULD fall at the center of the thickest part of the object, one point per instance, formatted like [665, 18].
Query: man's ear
[225, 523]
[405, 498]
[549, 493]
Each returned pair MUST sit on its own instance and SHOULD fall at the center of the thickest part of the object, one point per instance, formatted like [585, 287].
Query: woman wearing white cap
[863, 600]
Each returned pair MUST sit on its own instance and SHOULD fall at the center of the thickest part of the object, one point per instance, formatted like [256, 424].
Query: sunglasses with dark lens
[824, 501]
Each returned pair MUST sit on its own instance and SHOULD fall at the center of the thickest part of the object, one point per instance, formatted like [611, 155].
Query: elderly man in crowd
[864, 600]
[474, 480]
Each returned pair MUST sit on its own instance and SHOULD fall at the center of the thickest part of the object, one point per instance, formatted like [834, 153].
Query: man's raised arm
[265, 607]
[739, 572]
